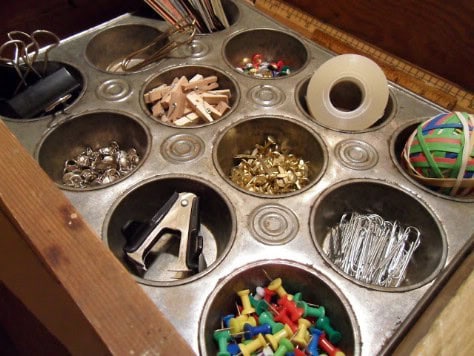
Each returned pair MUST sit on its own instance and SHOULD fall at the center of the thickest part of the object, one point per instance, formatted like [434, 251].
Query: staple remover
[177, 218]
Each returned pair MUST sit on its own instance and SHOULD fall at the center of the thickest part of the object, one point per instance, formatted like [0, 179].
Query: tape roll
[347, 92]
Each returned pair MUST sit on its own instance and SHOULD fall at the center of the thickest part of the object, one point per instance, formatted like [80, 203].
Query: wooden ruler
[407, 75]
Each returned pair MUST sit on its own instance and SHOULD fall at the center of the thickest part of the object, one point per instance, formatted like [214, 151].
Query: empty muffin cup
[346, 96]
[112, 49]
[42, 90]
[265, 53]
[317, 299]
[190, 96]
[93, 150]
[378, 235]
[270, 156]
[182, 217]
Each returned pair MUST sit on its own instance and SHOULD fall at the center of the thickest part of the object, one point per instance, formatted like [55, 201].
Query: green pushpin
[297, 297]
[311, 311]
[284, 346]
[267, 318]
[222, 337]
[259, 305]
[323, 323]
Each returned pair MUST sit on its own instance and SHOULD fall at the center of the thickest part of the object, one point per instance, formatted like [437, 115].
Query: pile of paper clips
[208, 15]
[38, 88]
[371, 249]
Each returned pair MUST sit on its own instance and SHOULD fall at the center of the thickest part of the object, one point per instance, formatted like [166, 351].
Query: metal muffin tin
[247, 235]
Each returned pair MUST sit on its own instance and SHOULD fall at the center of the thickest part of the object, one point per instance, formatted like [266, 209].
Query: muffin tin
[248, 236]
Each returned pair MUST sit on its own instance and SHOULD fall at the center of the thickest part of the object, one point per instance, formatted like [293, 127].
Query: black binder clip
[177, 218]
[39, 90]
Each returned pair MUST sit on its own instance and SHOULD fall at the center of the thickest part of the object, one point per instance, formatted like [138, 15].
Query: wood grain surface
[62, 271]
[433, 34]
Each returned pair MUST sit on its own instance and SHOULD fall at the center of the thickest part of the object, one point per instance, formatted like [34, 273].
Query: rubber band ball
[439, 154]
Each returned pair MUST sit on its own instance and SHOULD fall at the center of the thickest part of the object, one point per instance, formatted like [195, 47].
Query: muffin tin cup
[365, 196]
[167, 75]
[95, 130]
[397, 144]
[50, 88]
[143, 201]
[271, 45]
[108, 49]
[292, 137]
[314, 286]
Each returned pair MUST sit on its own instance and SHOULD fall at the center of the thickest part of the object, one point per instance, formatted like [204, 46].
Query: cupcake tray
[249, 238]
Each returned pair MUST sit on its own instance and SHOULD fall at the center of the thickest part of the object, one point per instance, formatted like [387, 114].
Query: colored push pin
[252, 346]
[312, 348]
[276, 285]
[298, 352]
[301, 337]
[283, 317]
[326, 345]
[268, 295]
[259, 293]
[233, 349]
[293, 311]
[251, 331]
[284, 346]
[297, 297]
[275, 338]
[244, 297]
[222, 337]
[324, 324]
[237, 324]
[311, 311]
[260, 305]
[225, 320]
[267, 318]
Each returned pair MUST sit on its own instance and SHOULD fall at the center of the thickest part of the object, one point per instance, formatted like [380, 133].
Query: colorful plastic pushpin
[277, 286]
[233, 349]
[298, 352]
[225, 320]
[237, 324]
[284, 346]
[323, 323]
[268, 294]
[267, 318]
[326, 345]
[301, 337]
[259, 293]
[259, 305]
[257, 343]
[244, 297]
[222, 337]
[283, 317]
[251, 331]
[297, 297]
[311, 311]
[312, 348]
[292, 310]
[274, 339]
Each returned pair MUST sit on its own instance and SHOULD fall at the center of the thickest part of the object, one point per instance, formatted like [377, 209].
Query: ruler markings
[308, 24]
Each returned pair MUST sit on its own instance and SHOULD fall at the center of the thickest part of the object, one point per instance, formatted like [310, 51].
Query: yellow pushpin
[276, 285]
[302, 335]
[247, 307]
[252, 346]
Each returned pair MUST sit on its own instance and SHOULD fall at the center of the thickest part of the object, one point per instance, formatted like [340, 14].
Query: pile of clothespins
[188, 102]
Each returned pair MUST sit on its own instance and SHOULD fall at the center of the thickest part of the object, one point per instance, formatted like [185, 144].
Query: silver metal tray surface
[249, 237]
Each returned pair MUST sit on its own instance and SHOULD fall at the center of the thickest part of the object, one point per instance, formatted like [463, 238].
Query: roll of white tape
[347, 92]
